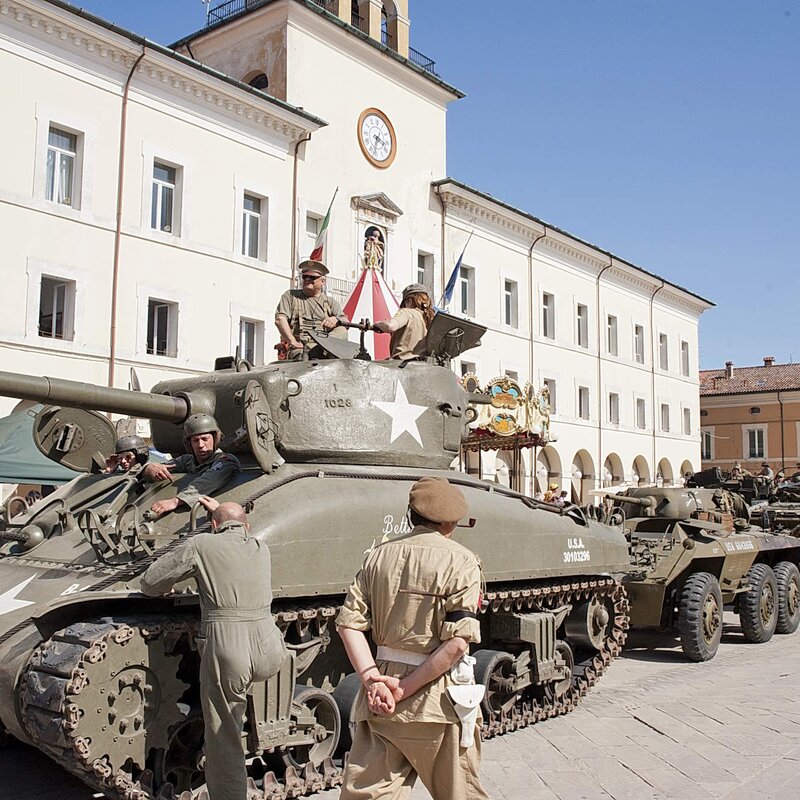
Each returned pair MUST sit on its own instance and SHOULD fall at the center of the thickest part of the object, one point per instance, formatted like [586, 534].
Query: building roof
[556, 229]
[749, 380]
[316, 6]
[159, 48]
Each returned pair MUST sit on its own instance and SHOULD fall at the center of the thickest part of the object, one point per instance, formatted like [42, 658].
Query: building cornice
[67, 27]
[472, 204]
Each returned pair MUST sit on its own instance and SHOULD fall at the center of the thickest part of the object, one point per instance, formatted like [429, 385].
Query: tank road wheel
[345, 695]
[326, 728]
[758, 606]
[588, 624]
[178, 763]
[495, 670]
[700, 616]
[788, 577]
[557, 690]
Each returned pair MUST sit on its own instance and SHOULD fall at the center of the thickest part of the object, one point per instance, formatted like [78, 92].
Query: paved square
[656, 728]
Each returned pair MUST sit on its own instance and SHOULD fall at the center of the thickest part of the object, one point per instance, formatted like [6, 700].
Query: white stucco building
[158, 198]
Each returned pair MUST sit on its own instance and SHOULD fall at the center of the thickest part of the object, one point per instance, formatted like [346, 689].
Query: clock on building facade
[377, 138]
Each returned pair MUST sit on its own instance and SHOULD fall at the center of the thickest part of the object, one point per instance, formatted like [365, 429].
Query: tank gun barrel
[642, 502]
[75, 394]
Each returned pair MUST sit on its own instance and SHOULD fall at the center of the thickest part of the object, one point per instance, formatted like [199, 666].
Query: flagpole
[452, 274]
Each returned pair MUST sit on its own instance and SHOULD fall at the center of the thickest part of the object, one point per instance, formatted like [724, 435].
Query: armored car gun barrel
[690, 561]
[105, 680]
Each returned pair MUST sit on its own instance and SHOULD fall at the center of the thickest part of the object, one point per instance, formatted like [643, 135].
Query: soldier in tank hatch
[307, 309]
[239, 642]
[409, 326]
[417, 711]
[211, 468]
[128, 452]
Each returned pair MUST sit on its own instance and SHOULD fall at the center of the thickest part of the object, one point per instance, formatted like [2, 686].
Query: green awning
[20, 459]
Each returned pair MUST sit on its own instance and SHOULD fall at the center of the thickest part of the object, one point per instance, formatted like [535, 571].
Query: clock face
[376, 137]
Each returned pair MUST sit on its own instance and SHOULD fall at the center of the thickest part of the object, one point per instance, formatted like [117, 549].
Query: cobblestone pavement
[656, 727]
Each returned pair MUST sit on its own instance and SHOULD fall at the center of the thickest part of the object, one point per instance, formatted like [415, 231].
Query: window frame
[159, 186]
[707, 433]
[548, 310]
[612, 335]
[685, 358]
[640, 405]
[663, 352]
[466, 281]
[663, 416]
[552, 385]
[583, 391]
[639, 353]
[761, 431]
[510, 307]
[59, 154]
[613, 408]
[258, 340]
[582, 325]
[686, 421]
[68, 313]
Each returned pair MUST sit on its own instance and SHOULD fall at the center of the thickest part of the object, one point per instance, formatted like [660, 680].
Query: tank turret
[667, 502]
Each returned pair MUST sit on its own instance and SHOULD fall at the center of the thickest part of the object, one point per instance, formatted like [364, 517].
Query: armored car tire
[700, 616]
[788, 578]
[758, 606]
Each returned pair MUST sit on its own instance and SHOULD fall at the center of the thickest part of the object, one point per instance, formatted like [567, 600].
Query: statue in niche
[374, 248]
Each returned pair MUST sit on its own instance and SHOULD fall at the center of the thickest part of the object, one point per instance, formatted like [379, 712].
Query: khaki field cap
[312, 266]
[438, 500]
[415, 288]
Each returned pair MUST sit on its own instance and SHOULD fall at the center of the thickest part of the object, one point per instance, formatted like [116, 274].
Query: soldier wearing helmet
[409, 326]
[210, 467]
[128, 452]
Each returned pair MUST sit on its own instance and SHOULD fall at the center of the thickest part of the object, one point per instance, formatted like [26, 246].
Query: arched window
[259, 81]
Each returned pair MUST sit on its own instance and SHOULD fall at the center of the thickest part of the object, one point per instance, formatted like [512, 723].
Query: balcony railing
[232, 8]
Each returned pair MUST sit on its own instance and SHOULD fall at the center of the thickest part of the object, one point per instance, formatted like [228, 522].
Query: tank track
[76, 679]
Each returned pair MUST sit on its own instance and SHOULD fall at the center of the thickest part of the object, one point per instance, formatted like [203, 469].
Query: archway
[664, 474]
[257, 79]
[503, 468]
[613, 472]
[641, 472]
[582, 477]
[687, 470]
[548, 469]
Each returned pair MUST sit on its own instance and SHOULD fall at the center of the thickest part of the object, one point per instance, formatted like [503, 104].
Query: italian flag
[321, 245]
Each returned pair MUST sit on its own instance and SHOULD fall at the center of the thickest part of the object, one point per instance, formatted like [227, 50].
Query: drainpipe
[532, 476]
[112, 340]
[600, 462]
[783, 448]
[297, 144]
[653, 375]
[441, 244]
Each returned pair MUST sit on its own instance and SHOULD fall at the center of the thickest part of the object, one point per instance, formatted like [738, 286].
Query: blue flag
[451, 284]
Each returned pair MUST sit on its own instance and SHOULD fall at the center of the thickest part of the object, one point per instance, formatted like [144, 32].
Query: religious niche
[374, 253]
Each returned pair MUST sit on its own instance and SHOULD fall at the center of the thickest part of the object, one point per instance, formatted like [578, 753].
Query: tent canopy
[371, 299]
[20, 459]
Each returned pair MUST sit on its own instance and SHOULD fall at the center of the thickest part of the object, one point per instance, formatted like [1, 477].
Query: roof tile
[746, 380]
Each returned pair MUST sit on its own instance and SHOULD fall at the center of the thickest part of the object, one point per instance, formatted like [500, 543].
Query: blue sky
[666, 132]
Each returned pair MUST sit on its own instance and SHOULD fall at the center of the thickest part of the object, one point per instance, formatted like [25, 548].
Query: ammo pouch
[466, 697]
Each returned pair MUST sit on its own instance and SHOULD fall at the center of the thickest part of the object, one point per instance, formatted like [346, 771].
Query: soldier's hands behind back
[380, 699]
[393, 684]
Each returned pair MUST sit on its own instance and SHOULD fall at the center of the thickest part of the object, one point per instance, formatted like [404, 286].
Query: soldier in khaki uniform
[239, 642]
[211, 467]
[308, 309]
[419, 595]
[409, 326]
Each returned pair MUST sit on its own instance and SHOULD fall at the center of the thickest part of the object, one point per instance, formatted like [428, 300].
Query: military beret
[438, 500]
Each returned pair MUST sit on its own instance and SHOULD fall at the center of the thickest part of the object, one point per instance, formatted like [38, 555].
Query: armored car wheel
[758, 606]
[700, 616]
[788, 578]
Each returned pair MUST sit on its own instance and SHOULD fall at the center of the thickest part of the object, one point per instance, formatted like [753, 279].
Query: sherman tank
[105, 680]
[691, 556]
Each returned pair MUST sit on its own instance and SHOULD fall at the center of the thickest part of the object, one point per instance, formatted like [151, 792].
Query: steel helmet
[134, 444]
[199, 423]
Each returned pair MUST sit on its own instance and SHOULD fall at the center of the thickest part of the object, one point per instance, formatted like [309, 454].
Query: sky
[665, 132]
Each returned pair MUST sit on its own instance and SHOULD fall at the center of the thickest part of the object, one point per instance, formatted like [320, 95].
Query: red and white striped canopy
[371, 299]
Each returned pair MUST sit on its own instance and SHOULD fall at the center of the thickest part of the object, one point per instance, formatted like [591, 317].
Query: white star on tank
[8, 600]
[404, 414]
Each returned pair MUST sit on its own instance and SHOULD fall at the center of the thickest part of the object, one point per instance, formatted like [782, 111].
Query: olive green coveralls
[210, 476]
[239, 642]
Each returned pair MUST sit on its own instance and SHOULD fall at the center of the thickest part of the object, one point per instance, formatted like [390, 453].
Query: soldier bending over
[239, 642]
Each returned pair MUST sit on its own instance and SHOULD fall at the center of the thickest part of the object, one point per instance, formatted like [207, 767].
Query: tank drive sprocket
[99, 696]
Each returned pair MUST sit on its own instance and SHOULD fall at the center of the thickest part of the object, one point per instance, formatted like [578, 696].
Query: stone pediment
[377, 205]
